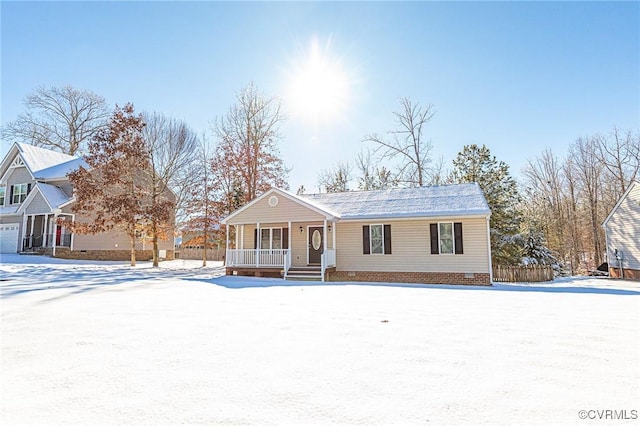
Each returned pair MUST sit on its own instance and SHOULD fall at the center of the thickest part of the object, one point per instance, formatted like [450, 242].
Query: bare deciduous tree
[373, 177]
[619, 153]
[202, 208]
[248, 143]
[337, 178]
[407, 146]
[63, 119]
[171, 145]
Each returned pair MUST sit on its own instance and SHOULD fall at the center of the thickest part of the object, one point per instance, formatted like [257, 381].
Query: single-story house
[35, 192]
[622, 231]
[437, 234]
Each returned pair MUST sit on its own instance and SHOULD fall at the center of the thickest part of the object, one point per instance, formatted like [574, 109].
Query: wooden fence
[522, 274]
[196, 254]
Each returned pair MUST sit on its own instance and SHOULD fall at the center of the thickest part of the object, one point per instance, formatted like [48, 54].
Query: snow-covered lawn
[103, 343]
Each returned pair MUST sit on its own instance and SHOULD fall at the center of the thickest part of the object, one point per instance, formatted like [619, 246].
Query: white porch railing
[257, 258]
[327, 260]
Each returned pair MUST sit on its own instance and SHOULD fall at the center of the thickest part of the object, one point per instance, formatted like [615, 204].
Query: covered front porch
[292, 250]
[42, 232]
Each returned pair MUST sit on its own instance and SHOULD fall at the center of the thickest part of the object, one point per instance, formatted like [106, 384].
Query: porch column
[324, 237]
[45, 238]
[289, 256]
[241, 245]
[55, 237]
[257, 244]
[333, 239]
[24, 231]
[237, 228]
[226, 243]
[33, 222]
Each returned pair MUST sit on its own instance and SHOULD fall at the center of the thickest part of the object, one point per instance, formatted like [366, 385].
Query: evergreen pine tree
[476, 164]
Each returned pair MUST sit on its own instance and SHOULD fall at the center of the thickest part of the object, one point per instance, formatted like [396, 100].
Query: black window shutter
[433, 227]
[285, 238]
[11, 195]
[457, 234]
[28, 188]
[255, 238]
[366, 247]
[387, 239]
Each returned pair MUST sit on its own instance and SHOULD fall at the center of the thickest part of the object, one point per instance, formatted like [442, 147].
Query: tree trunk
[156, 251]
[204, 246]
[132, 240]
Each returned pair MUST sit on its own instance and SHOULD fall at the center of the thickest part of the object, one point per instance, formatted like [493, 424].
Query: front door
[315, 245]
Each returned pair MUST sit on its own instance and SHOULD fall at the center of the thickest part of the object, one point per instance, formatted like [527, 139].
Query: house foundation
[452, 278]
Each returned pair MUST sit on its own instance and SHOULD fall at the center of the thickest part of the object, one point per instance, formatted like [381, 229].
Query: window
[2, 189]
[273, 239]
[19, 192]
[446, 238]
[376, 239]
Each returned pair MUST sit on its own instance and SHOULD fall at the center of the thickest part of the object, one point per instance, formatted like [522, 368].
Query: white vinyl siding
[411, 248]
[285, 210]
[623, 229]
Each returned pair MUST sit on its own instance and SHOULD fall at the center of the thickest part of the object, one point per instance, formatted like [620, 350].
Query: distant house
[35, 192]
[436, 234]
[622, 230]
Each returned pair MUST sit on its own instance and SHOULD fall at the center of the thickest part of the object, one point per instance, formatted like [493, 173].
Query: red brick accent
[629, 274]
[411, 277]
[65, 253]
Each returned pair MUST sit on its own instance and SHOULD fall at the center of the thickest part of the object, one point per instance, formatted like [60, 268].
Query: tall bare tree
[248, 143]
[619, 153]
[588, 169]
[63, 119]
[112, 190]
[371, 176]
[171, 145]
[202, 207]
[407, 145]
[337, 178]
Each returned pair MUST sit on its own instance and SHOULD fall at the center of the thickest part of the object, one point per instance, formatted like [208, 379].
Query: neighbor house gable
[13, 162]
[622, 226]
[633, 187]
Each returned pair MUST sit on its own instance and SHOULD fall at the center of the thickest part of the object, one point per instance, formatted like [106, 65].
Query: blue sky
[517, 76]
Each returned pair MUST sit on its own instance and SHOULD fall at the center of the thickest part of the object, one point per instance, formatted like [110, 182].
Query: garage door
[9, 238]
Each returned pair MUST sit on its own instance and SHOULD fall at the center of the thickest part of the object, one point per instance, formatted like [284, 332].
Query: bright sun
[319, 87]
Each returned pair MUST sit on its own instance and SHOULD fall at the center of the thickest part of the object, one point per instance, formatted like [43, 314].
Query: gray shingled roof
[429, 201]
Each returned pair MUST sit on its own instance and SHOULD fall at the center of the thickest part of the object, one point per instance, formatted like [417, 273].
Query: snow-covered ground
[103, 343]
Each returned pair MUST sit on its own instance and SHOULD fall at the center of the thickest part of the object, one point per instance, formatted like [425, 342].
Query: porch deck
[273, 263]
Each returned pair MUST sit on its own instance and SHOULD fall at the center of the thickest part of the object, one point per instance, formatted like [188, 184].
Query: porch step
[309, 273]
[30, 253]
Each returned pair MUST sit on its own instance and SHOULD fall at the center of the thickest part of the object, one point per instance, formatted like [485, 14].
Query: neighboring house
[622, 230]
[437, 234]
[35, 192]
